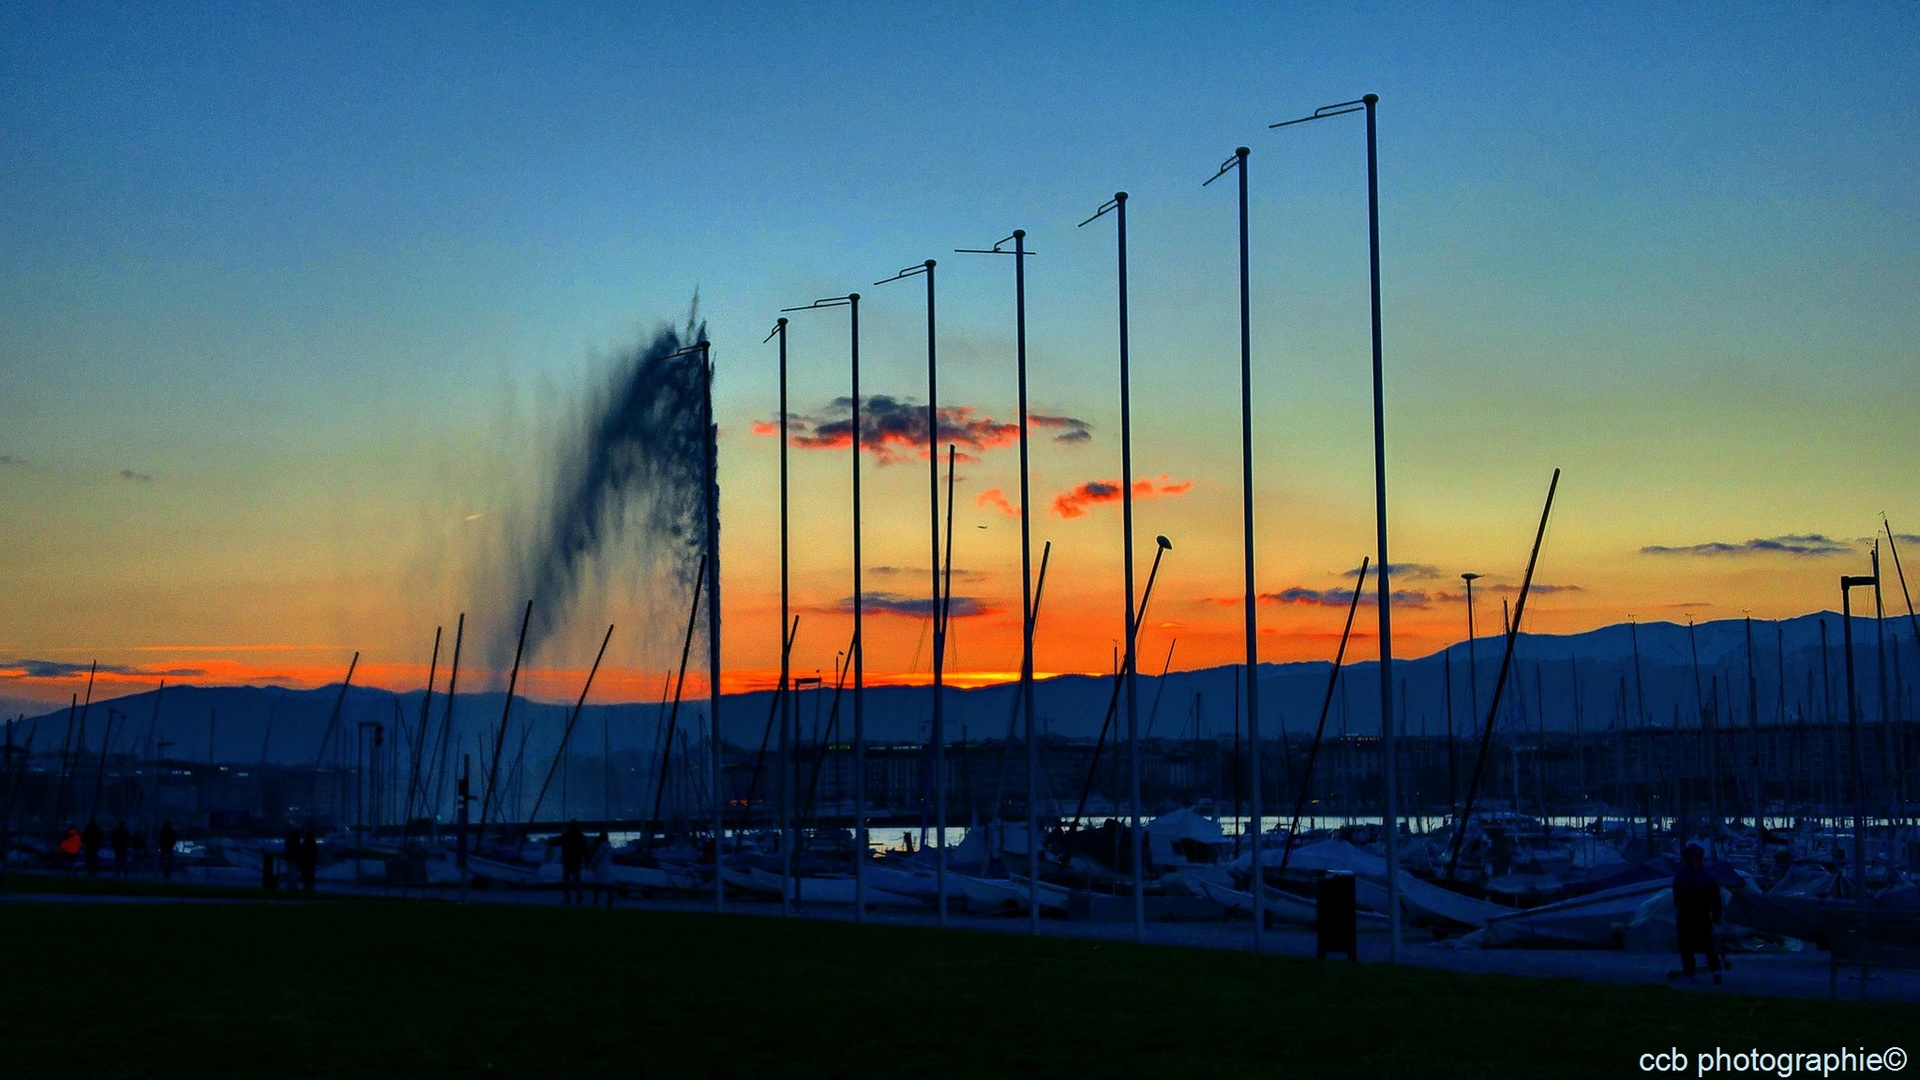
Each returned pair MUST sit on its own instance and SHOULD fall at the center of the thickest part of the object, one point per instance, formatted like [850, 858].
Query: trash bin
[1336, 926]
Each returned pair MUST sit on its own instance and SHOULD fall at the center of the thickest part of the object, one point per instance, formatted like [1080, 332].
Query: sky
[295, 301]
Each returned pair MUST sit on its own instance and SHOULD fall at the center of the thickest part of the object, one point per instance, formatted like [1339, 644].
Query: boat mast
[1506, 662]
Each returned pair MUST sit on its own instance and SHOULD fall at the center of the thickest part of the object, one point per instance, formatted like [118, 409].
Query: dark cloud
[1072, 429]
[1074, 502]
[132, 477]
[886, 603]
[1537, 587]
[1411, 571]
[891, 428]
[1300, 594]
[921, 572]
[1792, 544]
[57, 669]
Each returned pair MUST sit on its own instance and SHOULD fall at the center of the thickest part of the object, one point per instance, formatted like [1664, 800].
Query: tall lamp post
[1390, 818]
[939, 609]
[851, 302]
[1020, 253]
[786, 646]
[1118, 207]
[713, 614]
[1238, 163]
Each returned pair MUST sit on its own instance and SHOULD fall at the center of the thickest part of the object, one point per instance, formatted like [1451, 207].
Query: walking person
[70, 848]
[600, 868]
[1696, 908]
[121, 841]
[168, 838]
[309, 859]
[290, 851]
[573, 853]
[91, 841]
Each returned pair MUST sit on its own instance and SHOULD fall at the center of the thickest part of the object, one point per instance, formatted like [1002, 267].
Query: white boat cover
[1594, 921]
[1421, 903]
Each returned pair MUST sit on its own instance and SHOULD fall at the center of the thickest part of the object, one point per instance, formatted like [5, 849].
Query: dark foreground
[376, 988]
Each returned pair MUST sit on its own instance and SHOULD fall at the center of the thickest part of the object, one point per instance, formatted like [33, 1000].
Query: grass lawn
[433, 989]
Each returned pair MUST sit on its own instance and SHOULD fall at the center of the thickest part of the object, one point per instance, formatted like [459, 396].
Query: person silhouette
[573, 852]
[309, 859]
[91, 841]
[121, 840]
[168, 838]
[1696, 907]
[600, 868]
[290, 851]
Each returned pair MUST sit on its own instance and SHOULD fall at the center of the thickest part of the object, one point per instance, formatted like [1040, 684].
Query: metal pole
[441, 761]
[1506, 663]
[713, 622]
[462, 796]
[1640, 717]
[859, 649]
[1446, 669]
[1847, 584]
[939, 609]
[939, 613]
[1026, 586]
[1753, 736]
[786, 744]
[1028, 601]
[1133, 627]
[851, 302]
[1246, 513]
[1473, 666]
[1891, 758]
[1390, 819]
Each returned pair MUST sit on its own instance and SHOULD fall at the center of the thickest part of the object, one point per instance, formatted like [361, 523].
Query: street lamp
[1118, 206]
[1238, 163]
[1020, 253]
[851, 302]
[939, 614]
[1390, 817]
[786, 645]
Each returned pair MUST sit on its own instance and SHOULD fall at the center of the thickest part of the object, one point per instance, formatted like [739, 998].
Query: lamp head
[1165, 544]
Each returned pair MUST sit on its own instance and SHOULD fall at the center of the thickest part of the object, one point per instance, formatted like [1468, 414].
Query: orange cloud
[1074, 503]
[995, 499]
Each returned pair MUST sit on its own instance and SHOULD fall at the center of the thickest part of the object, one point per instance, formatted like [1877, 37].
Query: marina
[1384, 559]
